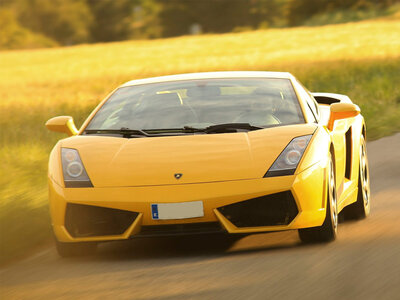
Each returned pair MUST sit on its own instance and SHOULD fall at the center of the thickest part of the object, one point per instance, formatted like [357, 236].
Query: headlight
[73, 170]
[287, 161]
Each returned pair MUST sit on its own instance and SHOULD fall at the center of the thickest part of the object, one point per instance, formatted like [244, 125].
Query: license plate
[173, 211]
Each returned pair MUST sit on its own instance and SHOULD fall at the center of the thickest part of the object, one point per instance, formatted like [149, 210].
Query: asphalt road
[363, 263]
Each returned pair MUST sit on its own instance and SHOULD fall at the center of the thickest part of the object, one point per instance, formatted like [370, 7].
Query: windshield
[199, 104]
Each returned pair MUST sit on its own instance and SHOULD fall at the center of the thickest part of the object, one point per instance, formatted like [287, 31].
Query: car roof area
[210, 75]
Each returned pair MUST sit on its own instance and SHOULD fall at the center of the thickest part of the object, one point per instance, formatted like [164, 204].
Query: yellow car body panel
[218, 169]
[213, 195]
[306, 185]
[201, 158]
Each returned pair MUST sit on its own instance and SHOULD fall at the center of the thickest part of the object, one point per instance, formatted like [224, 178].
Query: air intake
[86, 220]
[269, 210]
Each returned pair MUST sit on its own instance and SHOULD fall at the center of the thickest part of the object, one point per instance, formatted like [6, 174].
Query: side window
[311, 103]
[315, 104]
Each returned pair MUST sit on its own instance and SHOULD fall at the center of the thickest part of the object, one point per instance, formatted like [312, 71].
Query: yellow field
[359, 59]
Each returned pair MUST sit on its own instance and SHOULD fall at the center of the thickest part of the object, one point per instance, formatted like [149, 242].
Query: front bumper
[307, 188]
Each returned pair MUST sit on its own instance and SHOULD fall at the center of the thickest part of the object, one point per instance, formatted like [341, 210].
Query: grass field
[360, 59]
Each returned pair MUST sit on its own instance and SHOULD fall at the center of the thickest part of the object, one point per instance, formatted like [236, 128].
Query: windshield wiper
[226, 127]
[125, 132]
[129, 133]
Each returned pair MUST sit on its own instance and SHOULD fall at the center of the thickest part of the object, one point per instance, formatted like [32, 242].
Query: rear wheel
[361, 208]
[328, 230]
[75, 249]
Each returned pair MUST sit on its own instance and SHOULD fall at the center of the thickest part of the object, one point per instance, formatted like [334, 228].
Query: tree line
[38, 23]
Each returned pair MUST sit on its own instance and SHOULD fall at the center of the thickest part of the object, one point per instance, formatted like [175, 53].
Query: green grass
[361, 60]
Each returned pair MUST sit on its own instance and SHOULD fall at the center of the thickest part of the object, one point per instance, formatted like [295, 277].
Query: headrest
[268, 92]
[167, 99]
[203, 91]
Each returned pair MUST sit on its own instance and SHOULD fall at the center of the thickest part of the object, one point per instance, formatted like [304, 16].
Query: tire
[328, 230]
[75, 249]
[361, 208]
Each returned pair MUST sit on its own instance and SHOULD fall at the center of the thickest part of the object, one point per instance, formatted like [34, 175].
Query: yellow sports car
[220, 152]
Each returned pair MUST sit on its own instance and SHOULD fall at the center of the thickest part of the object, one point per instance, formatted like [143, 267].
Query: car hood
[113, 161]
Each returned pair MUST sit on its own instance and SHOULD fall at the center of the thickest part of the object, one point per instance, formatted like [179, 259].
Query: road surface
[363, 263]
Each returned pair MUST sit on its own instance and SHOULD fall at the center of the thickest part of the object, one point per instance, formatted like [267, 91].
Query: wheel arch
[364, 130]
[358, 130]
[332, 152]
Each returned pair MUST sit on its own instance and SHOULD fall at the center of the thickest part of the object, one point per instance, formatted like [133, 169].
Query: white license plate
[171, 211]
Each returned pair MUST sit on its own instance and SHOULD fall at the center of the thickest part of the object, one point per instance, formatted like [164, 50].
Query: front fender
[55, 167]
[317, 150]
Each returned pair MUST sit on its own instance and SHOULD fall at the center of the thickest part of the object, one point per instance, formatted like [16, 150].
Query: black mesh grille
[270, 210]
[87, 220]
[181, 229]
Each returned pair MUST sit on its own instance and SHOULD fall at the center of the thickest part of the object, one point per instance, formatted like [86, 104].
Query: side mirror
[342, 111]
[63, 124]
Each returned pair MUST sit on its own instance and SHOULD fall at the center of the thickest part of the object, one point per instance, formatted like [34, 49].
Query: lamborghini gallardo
[221, 152]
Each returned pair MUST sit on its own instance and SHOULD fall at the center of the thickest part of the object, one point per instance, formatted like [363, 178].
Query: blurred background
[45, 23]
[62, 57]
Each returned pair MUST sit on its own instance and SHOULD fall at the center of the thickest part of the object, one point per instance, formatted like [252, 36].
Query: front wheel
[75, 249]
[328, 230]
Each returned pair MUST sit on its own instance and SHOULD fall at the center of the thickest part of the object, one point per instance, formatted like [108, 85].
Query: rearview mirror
[63, 124]
[342, 111]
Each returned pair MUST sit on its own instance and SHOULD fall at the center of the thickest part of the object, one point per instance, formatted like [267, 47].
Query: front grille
[269, 210]
[87, 220]
[181, 229]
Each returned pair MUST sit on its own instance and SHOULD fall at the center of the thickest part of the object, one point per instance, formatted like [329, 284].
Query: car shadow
[150, 254]
[199, 246]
